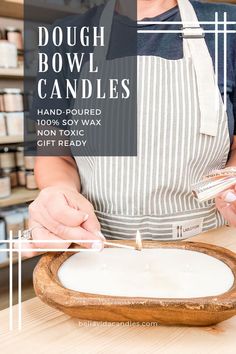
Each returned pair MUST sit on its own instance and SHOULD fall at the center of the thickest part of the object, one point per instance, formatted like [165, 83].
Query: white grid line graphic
[180, 31]
[17, 240]
[186, 22]
[19, 283]
[12, 242]
[216, 58]
[225, 60]
[11, 282]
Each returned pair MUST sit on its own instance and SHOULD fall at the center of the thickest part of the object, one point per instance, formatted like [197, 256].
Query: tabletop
[45, 330]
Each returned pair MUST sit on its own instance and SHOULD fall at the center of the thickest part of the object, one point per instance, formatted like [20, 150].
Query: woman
[181, 138]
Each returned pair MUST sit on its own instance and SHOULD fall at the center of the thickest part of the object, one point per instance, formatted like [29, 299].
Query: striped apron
[182, 135]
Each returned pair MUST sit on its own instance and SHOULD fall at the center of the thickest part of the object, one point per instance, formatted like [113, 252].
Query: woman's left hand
[226, 204]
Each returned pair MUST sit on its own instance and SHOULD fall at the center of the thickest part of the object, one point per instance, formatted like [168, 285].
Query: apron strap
[106, 20]
[194, 47]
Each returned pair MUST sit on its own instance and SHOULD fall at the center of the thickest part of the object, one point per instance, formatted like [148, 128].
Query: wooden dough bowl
[202, 311]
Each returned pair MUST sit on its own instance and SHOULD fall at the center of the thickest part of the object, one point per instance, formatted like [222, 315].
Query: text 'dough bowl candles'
[171, 283]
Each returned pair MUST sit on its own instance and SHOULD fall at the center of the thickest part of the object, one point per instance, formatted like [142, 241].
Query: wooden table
[46, 330]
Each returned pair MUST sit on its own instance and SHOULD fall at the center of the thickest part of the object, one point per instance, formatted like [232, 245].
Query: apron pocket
[168, 227]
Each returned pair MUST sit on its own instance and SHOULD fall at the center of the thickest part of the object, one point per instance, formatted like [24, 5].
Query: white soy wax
[154, 273]
[147, 267]
[104, 266]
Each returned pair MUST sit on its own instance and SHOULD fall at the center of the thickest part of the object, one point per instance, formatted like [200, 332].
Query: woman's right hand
[61, 213]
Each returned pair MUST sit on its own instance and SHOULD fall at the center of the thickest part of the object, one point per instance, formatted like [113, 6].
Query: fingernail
[86, 216]
[230, 197]
[100, 235]
[97, 245]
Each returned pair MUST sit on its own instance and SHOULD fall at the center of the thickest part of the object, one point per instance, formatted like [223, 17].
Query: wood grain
[203, 311]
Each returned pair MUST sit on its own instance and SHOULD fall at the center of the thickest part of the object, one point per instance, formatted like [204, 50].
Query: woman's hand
[226, 204]
[60, 213]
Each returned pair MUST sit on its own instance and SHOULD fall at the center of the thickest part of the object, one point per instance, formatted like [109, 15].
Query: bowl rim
[47, 284]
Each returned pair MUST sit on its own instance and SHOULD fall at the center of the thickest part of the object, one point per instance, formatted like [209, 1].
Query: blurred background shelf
[38, 11]
[16, 73]
[12, 73]
[19, 195]
[6, 263]
[12, 8]
[28, 266]
[4, 140]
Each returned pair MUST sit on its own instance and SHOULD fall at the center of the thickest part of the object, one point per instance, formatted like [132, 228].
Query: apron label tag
[187, 229]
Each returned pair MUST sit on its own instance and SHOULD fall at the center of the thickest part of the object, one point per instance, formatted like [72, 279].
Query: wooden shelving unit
[19, 195]
[6, 263]
[12, 73]
[4, 140]
[12, 8]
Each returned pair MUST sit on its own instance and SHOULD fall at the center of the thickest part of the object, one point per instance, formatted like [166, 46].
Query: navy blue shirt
[166, 45]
